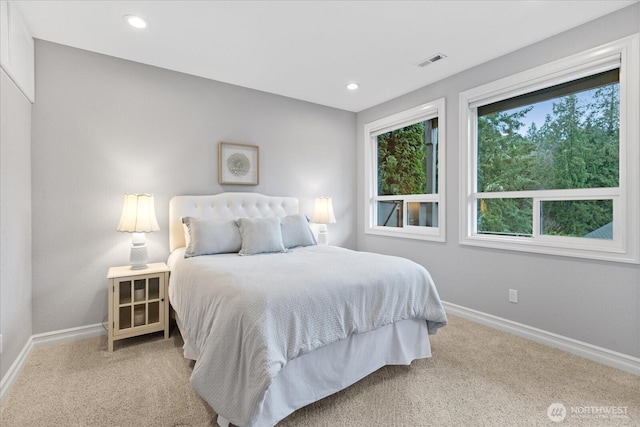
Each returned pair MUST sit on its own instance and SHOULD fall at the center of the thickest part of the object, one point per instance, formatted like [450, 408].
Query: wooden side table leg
[166, 306]
[110, 320]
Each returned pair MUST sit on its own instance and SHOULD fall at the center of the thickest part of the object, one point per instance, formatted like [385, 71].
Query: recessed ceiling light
[353, 86]
[135, 21]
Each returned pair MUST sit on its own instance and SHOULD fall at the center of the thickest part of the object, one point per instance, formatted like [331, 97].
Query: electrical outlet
[513, 296]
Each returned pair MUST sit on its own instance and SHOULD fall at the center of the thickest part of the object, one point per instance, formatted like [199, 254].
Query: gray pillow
[296, 231]
[260, 235]
[208, 236]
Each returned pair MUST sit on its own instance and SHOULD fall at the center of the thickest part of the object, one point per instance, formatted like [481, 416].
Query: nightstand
[138, 301]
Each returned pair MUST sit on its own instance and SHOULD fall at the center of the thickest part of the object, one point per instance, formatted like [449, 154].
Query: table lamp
[323, 215]
[138, 217]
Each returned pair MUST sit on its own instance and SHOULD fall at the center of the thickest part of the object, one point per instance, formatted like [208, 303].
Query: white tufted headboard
[224, 205]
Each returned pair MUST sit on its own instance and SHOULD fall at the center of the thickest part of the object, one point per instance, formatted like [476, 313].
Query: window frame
[624, 247]
[408, 117]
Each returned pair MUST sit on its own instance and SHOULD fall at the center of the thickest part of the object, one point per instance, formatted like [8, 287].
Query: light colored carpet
[477, 377]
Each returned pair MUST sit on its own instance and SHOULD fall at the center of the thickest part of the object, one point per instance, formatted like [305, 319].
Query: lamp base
[323, 236]
[139, 256]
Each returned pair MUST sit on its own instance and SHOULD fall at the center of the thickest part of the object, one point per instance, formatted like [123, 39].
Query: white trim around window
[624, 246]
[414, 115]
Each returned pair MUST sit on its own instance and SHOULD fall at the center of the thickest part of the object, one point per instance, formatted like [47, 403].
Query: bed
[275, 321]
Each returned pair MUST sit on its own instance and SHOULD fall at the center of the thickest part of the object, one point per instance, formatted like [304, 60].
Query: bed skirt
[329, 369]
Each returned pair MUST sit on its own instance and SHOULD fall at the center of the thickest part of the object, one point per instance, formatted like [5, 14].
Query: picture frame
[238, 164]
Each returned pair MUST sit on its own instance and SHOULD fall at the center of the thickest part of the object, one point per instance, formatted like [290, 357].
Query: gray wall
[594, 302]
[104, 126]
[15, 221]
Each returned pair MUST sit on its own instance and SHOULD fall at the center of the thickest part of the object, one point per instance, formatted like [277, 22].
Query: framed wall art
[238, 164]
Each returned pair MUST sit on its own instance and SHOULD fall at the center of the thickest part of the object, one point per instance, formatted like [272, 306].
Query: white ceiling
[310, 50]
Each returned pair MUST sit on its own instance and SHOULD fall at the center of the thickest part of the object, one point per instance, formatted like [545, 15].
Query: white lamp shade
[323, 211]
[138, 214]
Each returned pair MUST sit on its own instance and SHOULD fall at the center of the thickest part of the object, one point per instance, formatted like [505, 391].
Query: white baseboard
[43, 340]
[588, 351]
[12, 374]
[66, 335]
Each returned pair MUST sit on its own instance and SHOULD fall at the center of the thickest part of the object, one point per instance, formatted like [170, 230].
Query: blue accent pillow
[209, 236]
[260, 235]
[297, 232]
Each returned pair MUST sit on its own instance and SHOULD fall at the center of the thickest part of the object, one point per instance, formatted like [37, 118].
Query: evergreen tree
[585, 155]
[506, 162]
[401, 161]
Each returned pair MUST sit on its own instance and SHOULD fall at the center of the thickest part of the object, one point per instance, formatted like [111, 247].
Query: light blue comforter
[247, 316]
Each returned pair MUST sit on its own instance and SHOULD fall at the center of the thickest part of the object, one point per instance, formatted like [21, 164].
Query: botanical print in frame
[238, 164]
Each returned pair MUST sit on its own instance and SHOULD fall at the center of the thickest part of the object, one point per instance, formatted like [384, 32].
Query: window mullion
[536, 226]
[564, 194]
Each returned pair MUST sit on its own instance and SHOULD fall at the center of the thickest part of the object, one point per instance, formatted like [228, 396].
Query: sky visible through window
[540, 110]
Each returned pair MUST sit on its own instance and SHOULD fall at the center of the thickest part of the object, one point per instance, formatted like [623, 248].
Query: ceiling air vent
[431, 59]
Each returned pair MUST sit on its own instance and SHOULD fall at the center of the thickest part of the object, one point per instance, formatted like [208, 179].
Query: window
[550, 161]
[404, 162]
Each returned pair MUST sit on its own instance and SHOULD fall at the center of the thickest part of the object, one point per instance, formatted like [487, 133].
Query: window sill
[431, 234]
[603, 252]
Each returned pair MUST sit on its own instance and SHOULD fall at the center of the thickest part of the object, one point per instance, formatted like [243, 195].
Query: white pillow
[296, 231]
[208, 236]
[260, 235]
